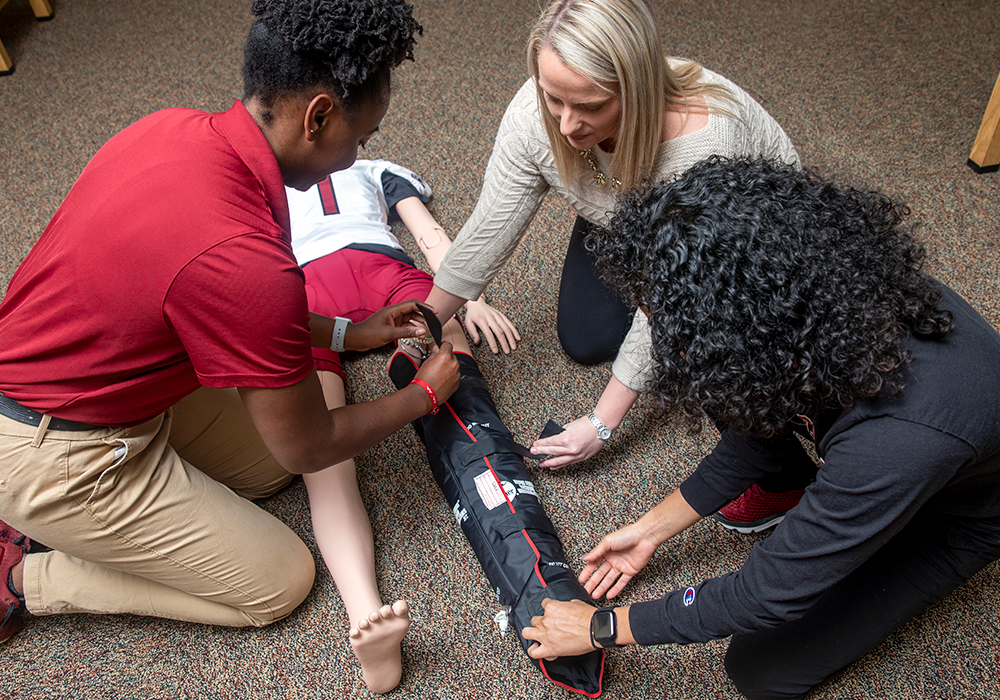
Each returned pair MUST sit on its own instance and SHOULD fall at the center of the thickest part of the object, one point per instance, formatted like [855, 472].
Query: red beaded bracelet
[430, 392]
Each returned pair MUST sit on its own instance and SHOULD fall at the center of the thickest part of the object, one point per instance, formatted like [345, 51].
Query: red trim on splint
[499, 484]
[600, 678]
[460, 421]
[538, 557]
[538, 573]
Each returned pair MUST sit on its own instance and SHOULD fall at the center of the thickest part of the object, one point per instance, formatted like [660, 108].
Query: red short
[355, 284]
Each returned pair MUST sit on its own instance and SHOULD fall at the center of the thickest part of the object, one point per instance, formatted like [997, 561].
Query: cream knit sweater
[522, 169]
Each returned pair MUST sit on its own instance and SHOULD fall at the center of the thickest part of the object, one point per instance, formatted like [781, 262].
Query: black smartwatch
[603, 628]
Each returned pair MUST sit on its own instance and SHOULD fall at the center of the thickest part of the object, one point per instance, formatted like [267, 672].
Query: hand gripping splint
[481, 472]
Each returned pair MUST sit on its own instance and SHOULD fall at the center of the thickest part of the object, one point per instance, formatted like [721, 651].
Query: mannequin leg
[344, 535]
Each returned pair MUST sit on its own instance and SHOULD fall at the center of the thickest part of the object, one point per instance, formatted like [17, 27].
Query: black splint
[482, 475]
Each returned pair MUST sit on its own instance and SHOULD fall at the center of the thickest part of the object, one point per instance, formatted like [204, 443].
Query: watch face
[604, 626]
[603, 431]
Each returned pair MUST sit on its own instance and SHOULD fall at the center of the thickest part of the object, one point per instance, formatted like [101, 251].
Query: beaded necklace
[598, 173]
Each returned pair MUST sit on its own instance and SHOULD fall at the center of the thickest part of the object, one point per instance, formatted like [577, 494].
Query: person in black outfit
[785, 308]
[593, 320]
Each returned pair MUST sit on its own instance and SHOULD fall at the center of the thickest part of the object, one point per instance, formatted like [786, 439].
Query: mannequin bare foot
[376, 643]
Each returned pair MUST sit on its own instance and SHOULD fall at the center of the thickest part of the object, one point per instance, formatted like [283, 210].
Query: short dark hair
[347, 46]
[771, 292]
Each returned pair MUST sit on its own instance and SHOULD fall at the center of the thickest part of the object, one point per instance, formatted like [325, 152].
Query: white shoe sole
[750, 529]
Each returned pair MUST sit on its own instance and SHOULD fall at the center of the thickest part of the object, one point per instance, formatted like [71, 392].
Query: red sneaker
[9, 534]
[757, 510]
[10, 602]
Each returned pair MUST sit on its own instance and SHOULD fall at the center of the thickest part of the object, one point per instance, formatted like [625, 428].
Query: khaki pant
[135, 528]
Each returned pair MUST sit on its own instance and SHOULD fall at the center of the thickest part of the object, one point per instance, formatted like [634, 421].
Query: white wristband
[339, 331]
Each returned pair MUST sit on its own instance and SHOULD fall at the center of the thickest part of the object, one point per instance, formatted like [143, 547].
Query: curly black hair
[349, 46]
[770, 291]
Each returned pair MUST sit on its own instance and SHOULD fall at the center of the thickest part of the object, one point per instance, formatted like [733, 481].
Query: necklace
[598, 173]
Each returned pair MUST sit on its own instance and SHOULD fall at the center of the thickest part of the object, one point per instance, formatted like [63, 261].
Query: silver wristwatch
[603, 431]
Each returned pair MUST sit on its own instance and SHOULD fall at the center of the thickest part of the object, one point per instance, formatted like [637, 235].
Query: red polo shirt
[168, 267]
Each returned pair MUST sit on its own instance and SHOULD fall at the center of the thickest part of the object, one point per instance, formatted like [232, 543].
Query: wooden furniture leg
[43, 11]
[41, 8]
[985, 156]
[6, 65]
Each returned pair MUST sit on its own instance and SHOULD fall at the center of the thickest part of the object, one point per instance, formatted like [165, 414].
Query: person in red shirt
[156, 370]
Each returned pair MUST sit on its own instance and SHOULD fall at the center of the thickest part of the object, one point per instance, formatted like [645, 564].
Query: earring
[312, 131]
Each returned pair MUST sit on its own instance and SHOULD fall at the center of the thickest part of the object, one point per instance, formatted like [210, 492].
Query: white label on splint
[502, 620]
[526, 487]
[489, 490]
[461, 514]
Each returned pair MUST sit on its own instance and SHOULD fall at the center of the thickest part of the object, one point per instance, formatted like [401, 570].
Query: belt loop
[43, 425]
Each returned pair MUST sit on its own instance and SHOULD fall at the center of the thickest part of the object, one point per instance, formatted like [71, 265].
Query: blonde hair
[615, 41]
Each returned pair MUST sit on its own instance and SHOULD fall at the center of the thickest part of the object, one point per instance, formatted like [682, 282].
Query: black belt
[22, 414]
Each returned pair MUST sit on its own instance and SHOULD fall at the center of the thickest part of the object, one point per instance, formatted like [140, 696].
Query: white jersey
[347, 207]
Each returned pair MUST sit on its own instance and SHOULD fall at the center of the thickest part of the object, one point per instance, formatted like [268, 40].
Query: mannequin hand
[577, 442]
[615, 560]
[495, 327]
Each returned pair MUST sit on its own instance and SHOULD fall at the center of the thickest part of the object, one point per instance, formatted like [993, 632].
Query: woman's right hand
[577, 442]
[615, 560]
[441, 371]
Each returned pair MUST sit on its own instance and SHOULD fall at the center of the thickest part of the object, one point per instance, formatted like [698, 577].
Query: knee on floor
[588, 350]
[754, 675]
[290, 581]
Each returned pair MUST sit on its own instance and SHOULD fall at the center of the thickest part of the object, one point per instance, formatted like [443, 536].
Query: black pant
[927, 560]
[592, 320]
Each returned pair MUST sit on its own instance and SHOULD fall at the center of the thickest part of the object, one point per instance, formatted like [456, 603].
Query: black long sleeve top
[934, 448]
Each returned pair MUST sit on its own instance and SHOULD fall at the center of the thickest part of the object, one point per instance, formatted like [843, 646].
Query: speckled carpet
[878, 92]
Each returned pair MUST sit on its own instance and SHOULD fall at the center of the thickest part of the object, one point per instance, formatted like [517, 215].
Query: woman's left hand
[577, 442]
[562, 630]
[495, 327]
